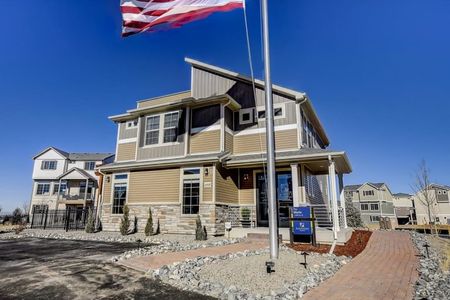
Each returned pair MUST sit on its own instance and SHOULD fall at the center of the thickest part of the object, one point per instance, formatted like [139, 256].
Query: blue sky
[378, 73]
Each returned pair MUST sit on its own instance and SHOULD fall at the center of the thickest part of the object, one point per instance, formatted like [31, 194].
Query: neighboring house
[62, 179]
[404, 208]
[373, 200]
[440, 207]
[202, 152]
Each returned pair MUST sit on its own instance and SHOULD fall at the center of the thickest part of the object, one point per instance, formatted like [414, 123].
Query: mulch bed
[353, 247]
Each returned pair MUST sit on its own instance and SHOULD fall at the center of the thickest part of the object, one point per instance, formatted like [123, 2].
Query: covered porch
[76, 188]
[312, 177]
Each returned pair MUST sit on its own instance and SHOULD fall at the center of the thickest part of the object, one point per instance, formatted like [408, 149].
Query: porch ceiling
[315, 159]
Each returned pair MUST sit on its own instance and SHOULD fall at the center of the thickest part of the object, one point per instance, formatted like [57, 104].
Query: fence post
[45, 221]
[67, 218]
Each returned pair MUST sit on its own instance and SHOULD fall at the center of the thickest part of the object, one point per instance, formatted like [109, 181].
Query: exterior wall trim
[262, 130]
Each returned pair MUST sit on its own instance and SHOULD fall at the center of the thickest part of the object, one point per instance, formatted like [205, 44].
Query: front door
[284, 198]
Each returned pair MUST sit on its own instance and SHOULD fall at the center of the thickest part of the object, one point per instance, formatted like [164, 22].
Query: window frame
[49, 162]
[365, 204]
[133, 123]
[161, 129]
[251, 112]
[89, 162]
[275, 106]
[56, 188]
[170, 127]
[191, 177]
[44, 193]
[377, 204]
[371, 217]
[121, 181]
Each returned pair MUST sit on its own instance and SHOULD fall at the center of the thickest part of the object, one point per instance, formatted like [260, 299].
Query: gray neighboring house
[373, 200]
[404, 208]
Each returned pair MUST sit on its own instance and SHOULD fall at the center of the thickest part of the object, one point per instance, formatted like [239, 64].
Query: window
[131, 124]
[83, 187]
[246, 115]
[162, 128]
[364, 206]
[191, 191]
[120, 197]
[40, 208]
[278, 111]
[89, 165]
[374, 206]
[49, 165]
[56, 188]
[152, 131]
[43, 189]
[374, 218]
[120, 176]
[170, 127]
[368, 193]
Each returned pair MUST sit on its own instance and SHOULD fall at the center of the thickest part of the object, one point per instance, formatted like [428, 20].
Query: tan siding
[163, 99]
[228, 142]
[247, 192]
[205, 141]
[284, 139]
[226, 186]
[154, 186]
[126, 151]
[107, 190]
[208, 188]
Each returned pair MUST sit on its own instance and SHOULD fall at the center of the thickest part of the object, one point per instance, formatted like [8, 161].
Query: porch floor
[323, 235]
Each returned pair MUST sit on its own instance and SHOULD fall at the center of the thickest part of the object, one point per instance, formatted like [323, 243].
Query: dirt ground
[66, 269]
[353, 247]
[443, 246]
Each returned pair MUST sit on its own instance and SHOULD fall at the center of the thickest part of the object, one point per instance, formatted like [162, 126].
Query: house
[404, 208]
[439, 196]
[202, 152]
[373, 200]
[62, 179]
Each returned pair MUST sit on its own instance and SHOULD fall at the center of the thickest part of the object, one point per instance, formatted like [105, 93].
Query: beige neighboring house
[62, 179]
[202, 152]
[404, 208]
[373, 200]
[440, 208]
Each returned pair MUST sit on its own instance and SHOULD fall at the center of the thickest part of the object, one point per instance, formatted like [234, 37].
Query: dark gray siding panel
[206, 116]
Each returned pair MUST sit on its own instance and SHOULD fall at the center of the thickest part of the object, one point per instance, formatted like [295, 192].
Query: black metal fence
[71, 218]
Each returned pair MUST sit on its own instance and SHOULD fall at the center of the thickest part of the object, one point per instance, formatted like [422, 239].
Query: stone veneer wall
[170, 218]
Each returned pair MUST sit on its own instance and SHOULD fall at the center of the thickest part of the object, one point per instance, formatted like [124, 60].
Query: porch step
[261, 236]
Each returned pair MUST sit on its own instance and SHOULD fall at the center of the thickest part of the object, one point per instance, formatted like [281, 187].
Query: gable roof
[77, 156]
[83, 174]
[402, 195]
[299, 97]
[354, 187]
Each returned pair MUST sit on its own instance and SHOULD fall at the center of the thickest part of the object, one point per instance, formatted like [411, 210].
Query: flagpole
[270, 140]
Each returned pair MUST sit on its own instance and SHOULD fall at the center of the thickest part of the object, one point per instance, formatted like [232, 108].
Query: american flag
[143, 15]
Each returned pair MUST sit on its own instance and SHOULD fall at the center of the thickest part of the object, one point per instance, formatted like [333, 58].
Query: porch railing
[80, 196]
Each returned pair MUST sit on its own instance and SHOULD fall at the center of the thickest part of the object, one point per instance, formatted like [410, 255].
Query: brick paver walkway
[144, 263]
[386, 269]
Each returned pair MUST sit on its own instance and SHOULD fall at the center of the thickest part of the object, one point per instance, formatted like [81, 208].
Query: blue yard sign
[301, 227]
[301, 212]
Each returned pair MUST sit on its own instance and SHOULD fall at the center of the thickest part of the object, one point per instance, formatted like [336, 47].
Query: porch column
[333, 195]
[85, 192]
[295, 184]
[303, 180]
[342, 197]
[59, 192]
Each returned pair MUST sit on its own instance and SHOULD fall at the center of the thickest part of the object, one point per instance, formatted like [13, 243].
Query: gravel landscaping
[434, 281]
[243, 275]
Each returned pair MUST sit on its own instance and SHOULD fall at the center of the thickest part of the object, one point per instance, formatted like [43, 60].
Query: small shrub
[19, 229]
[90, 224]
[158, 230]
[353, 215]
[125, 221]
[205, 234]
[200, 233]
[245, 213]
[17, 216]
[149, 225]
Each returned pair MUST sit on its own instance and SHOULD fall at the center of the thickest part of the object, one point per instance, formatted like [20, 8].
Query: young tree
[353, 215]
[423, 190]
[200, 232]
[149, 225]
[90, 224]
[17, 216]
[125, 221]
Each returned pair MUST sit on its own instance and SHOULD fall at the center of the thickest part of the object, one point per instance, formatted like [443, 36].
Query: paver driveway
[63, 269]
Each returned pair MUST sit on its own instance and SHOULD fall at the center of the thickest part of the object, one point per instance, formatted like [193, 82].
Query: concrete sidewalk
[386, 269]
[144, 263]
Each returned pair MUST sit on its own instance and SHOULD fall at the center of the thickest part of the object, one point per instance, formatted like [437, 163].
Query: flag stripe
[142, 15]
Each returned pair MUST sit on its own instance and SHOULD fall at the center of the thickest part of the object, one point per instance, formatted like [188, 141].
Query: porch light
[245, 176]
[206, 171]
[108, 179]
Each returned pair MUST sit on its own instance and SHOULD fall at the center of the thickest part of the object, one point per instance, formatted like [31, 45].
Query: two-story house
[404, 208]
[62, 179]
[202, 152]
[439, 198]
[373, 200]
